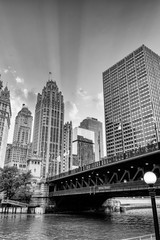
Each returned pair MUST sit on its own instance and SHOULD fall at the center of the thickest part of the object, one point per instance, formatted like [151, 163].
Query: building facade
[34, 165]
[132, 101]
[48, 128]
[20, 149]
[5, 115]
[96, 126]
[23, 126]
[67, 154]
[83, 147]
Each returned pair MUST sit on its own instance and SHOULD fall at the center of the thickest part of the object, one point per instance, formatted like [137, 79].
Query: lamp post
[150, 178]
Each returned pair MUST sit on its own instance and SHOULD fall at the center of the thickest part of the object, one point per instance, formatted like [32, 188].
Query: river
[76, 227]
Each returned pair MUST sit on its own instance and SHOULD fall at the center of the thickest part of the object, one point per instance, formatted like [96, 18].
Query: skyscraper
[23, 126]
[48, 128]
[5, 115]
[96, 126]
[67, 155]
[83, 147]
[18, 151]
[132, 101]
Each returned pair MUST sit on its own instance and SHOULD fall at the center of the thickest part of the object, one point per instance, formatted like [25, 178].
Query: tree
[14, 184]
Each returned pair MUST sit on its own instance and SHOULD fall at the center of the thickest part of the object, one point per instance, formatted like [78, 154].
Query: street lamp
[150, 178]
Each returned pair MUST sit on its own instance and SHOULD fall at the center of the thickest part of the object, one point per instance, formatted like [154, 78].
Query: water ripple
[76, 227]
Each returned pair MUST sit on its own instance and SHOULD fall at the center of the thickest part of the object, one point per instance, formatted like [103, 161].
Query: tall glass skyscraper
[132, 101]
[48, 128]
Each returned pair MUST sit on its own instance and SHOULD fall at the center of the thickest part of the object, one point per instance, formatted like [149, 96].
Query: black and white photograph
[79, 119]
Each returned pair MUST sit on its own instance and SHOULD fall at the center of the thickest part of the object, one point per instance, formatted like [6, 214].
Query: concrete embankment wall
[19, 210]
[14, 210]
[137, 203]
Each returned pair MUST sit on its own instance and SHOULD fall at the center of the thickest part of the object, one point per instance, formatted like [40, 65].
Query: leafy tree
[23, 194]
[14, 184]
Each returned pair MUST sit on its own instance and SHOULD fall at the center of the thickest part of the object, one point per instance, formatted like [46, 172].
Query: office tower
[96, 126]
[83, 147]
[19, 150]
[23, 126]
[67, 155]
[132, 101]
[48, 128]
[5, 115]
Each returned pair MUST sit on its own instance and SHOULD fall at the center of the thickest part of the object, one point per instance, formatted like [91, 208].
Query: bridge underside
[83, 202]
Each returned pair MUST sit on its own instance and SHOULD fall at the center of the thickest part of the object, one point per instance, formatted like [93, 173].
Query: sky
[76, 40]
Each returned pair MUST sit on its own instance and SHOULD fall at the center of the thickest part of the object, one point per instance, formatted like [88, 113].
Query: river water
[76, 227]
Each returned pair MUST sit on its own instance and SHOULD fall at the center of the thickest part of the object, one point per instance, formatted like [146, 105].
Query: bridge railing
[144, 237]
[107, 160]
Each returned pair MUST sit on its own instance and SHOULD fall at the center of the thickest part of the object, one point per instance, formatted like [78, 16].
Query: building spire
[50, 76]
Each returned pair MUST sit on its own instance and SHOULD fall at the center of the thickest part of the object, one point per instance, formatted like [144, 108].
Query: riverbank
[137, 203]
[115, 205]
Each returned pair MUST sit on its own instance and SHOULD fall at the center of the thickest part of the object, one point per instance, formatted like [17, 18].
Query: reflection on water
[76, 227]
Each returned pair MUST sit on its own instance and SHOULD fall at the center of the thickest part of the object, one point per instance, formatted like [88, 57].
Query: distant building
[96, 126]
[20, 149]
[48, 128]
[83, 151]
[5, 115]
[23, 126]
[67, 154]
[132, 101]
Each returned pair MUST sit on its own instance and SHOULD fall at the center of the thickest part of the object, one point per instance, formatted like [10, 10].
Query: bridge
[120, 176]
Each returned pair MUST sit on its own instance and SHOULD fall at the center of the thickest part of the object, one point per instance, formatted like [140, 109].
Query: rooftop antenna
[50, 76]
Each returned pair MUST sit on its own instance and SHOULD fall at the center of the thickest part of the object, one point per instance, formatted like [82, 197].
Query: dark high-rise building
[83, 147]
[132, 101]
[19, 150]
[5, 115]
[48, 128]
[96, 126]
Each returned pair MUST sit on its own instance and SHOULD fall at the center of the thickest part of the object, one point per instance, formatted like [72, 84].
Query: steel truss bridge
[120, 176]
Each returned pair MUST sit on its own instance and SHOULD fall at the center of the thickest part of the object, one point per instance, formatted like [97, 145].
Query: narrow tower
[67, 156]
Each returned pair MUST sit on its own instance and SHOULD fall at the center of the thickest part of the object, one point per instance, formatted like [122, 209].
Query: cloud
[19, 80]
[24, 96]
[25, 92]
[12, 71]
[98, 99]
[83, 94]
[71, 110]
[6, 70]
